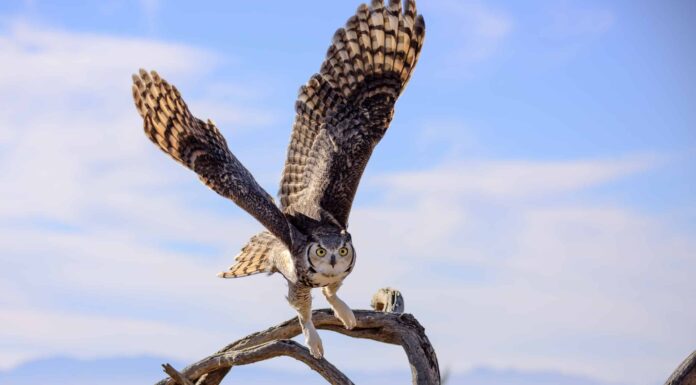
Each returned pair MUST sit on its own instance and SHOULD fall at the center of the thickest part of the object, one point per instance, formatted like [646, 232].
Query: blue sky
[535, 189]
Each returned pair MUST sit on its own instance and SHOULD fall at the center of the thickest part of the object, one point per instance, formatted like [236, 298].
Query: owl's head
[331, 254]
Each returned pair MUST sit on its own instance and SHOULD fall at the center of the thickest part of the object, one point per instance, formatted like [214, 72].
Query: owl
[342, 112]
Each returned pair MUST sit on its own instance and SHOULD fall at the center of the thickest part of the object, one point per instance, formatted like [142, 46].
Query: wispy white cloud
[50, 333]
[514, 179]
[91, 213]
[533, 278]
[72, 146]
[47, 62]
[473, 32]
[569, 21]
[150, 9]
[567, 27]
[68, 125]
[230, 116]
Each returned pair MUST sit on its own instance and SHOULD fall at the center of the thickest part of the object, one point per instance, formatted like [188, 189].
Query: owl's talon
[314, 343]
[340, 309]
[349, 320]
[343, 313]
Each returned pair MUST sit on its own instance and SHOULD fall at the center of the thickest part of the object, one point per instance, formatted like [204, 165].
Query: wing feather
[201, 147]
[344, 111]
[255, 257]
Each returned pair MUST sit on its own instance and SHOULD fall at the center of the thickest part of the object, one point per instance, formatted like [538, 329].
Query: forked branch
[392, 328]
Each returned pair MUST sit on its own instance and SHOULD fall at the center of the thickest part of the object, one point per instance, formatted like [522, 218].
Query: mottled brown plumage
[342, 112]
[199, 146]
[255, 256]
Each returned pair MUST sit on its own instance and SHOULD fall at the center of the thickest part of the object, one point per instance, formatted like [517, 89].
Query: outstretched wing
[344, 111]
[199, 146]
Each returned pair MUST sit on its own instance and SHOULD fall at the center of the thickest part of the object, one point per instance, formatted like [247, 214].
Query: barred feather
[256, 257]
[366, 68]
[169, 123]
[201, 147]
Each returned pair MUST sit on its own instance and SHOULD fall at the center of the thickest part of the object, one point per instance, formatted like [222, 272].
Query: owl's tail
[255, 257]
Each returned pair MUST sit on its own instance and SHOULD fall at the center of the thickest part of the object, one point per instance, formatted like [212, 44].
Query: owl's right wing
[256, 256]
[199, 146]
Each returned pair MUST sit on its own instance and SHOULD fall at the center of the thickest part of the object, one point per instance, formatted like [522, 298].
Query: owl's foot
[340, 309]
[343, 313]
[300, 299]
[313, 341]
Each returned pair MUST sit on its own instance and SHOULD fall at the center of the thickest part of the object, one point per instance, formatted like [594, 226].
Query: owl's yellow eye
[343, 251]
[321, 251]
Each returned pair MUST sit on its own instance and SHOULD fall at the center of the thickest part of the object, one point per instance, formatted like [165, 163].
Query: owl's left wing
[344, 111]
[201, 147]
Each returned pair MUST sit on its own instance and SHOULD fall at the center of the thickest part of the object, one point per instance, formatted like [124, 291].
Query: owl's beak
[333, 260]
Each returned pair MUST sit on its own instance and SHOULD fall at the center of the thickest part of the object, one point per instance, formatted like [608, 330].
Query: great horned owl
[341, 114]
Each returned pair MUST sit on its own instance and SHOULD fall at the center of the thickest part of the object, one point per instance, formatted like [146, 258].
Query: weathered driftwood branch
[259, 353]
[685, 374]
[392, 328]
[175, 375]
[386, 324]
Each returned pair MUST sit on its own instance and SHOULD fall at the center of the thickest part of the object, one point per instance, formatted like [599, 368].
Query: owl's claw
[343, 313]
[314, 343]
[340, 309]
[349, 321]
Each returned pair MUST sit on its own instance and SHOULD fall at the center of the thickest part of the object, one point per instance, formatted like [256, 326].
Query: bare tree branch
[685, 373]
[175, 375]
[384, 325]
[391, 328]
[263, 352]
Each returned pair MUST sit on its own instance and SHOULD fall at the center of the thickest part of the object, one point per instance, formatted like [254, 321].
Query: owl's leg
[341, 310]
[300, 299]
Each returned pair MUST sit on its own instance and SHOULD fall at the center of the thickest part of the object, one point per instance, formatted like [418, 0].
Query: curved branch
[262, 352]
[685, 373]
[175, 375]
[391, 328]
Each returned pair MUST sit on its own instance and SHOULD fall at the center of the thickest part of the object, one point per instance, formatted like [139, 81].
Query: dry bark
[685, 374]
[388, 327]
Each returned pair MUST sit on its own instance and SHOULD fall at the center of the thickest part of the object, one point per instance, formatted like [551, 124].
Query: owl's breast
[316, 279]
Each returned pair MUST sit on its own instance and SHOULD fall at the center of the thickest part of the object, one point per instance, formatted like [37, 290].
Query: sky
[534, 198]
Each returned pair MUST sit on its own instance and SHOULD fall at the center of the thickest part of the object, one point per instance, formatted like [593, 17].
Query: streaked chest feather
[321, 280]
